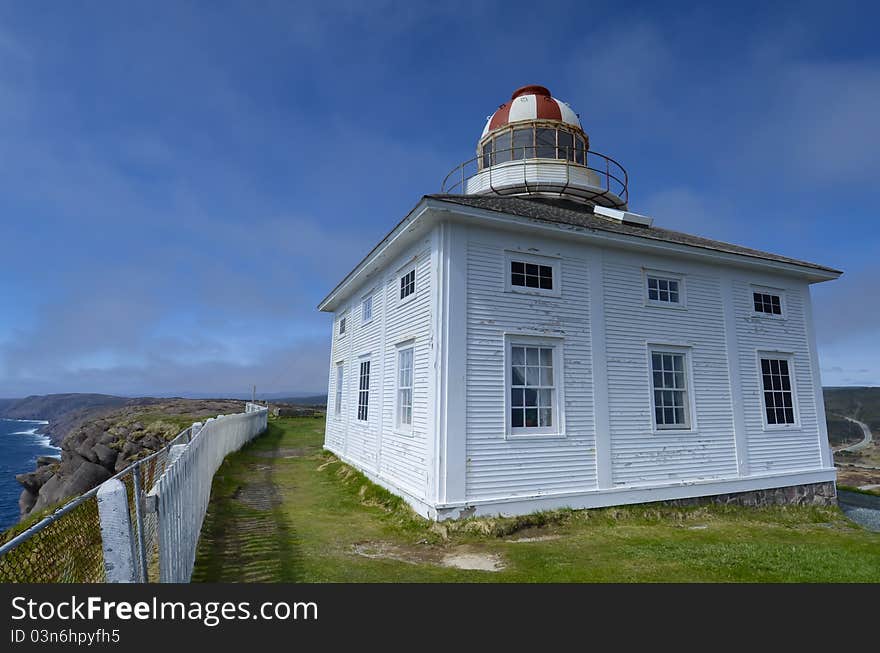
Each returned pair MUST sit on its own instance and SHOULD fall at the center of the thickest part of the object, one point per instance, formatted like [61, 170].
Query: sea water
[20, 444]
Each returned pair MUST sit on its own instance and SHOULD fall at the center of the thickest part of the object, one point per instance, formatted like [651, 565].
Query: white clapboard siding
[776, 449]
[374, 445]
[639, 454]
[498, 466]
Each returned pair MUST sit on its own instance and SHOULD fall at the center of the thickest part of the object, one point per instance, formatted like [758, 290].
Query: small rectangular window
[487, 155]
[532, 387]
[408, 284]
[342, 326]
[531, 275]
[669, 381]
[364, 391]
[404, 388]
[767, 303]
[778, 397]
[664, 290]
[340, 372]
[580, 151]
[367, 309]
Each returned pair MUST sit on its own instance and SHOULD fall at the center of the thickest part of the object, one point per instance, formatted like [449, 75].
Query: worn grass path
[284, 510]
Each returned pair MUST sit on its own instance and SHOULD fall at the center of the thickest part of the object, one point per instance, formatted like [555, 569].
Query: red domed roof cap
[531, 89]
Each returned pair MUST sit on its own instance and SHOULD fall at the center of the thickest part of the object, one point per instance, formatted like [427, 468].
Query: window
[502, 147]
[669, 383]
[367, 310]
[523, 143]
[408, 284]
[340, 370]
[531, 275]
[778, 396]
[545, 140]
[342, 326]
[664, 290]
[532, 389]
[767, 303]
[364, 391]
[566, 148]
[404, 388]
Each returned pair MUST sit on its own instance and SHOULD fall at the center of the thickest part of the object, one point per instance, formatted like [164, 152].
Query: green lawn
[282, 509]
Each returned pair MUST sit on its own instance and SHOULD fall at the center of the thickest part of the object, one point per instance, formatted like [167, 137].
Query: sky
[182, 182]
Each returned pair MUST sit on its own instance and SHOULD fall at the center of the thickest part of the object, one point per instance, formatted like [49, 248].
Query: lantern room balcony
[561, 171]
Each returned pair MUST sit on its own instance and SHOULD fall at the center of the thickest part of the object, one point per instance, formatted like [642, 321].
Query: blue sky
[181, 183]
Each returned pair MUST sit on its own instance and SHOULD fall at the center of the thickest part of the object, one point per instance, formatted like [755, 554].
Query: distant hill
[50, 407]
[861, 403]
[313, 400]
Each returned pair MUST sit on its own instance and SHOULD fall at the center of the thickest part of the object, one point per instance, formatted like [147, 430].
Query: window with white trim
[342, 326]
[778, 394]
[408, 284]
[768, 303]
[364, 391]
[663, 290]
[404, 388]
[340, 373]
[670, 387]
[367, 309]
[533, 402]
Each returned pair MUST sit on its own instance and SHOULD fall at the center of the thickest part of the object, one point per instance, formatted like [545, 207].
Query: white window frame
[787, 356]
[410, 269]
[342, 325]
[766, 290]
[367, 301]
[690, 404]
[361, 361]
[648, 273]
[400, 427]
[557, 430]
[553, 262]
[340, 390]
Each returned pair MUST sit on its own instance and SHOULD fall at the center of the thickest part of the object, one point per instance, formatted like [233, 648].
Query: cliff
[100, 439]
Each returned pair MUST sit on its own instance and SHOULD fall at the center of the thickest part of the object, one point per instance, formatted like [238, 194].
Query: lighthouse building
[523, 341]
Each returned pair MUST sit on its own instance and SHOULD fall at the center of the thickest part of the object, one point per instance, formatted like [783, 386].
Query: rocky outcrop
[104, 441]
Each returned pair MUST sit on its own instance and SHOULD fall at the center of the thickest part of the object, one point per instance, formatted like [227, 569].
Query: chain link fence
[66, 546]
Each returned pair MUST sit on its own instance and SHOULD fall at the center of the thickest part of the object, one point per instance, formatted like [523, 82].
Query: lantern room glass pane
[545, 142]
[579, 151]
[502, 147]
[566, 141]
[524, 143]
[487, 154]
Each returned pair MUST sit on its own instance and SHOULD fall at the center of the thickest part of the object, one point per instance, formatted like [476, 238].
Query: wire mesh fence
[66, 546]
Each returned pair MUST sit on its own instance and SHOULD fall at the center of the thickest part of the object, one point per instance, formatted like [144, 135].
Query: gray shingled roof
[561, 211]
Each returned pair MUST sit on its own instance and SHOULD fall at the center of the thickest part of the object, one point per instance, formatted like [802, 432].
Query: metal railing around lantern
[612, 177]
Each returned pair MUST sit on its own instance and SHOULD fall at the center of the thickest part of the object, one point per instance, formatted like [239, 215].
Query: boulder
[87, 476]
[50, 493]
[46, 460]
[33, 481]
[87, 450]
[26, 501]
[105, 455]
[70, 461]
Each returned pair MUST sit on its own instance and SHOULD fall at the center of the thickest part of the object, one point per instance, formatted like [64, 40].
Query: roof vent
[624, 216]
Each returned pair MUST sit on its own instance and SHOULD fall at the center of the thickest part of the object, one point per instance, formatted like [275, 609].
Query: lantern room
[535, 145]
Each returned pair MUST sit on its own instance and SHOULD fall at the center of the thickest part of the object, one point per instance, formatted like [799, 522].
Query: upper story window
[531, 275]
[530, 142]
[767, 303]
[778, 393]
[342, 326]
[408, 284]
[364, 391]
[367, 309]
[670, 386]
[664, 289]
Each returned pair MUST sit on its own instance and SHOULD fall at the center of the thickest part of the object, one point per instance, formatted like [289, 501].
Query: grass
[282, 509]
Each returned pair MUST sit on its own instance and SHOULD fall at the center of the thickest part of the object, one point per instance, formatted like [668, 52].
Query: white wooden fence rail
[180, 496]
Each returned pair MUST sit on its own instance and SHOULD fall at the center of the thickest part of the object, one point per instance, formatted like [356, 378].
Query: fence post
[139, 518]
[116, 536]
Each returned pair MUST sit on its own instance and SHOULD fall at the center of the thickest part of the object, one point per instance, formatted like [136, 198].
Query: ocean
[20, 444]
